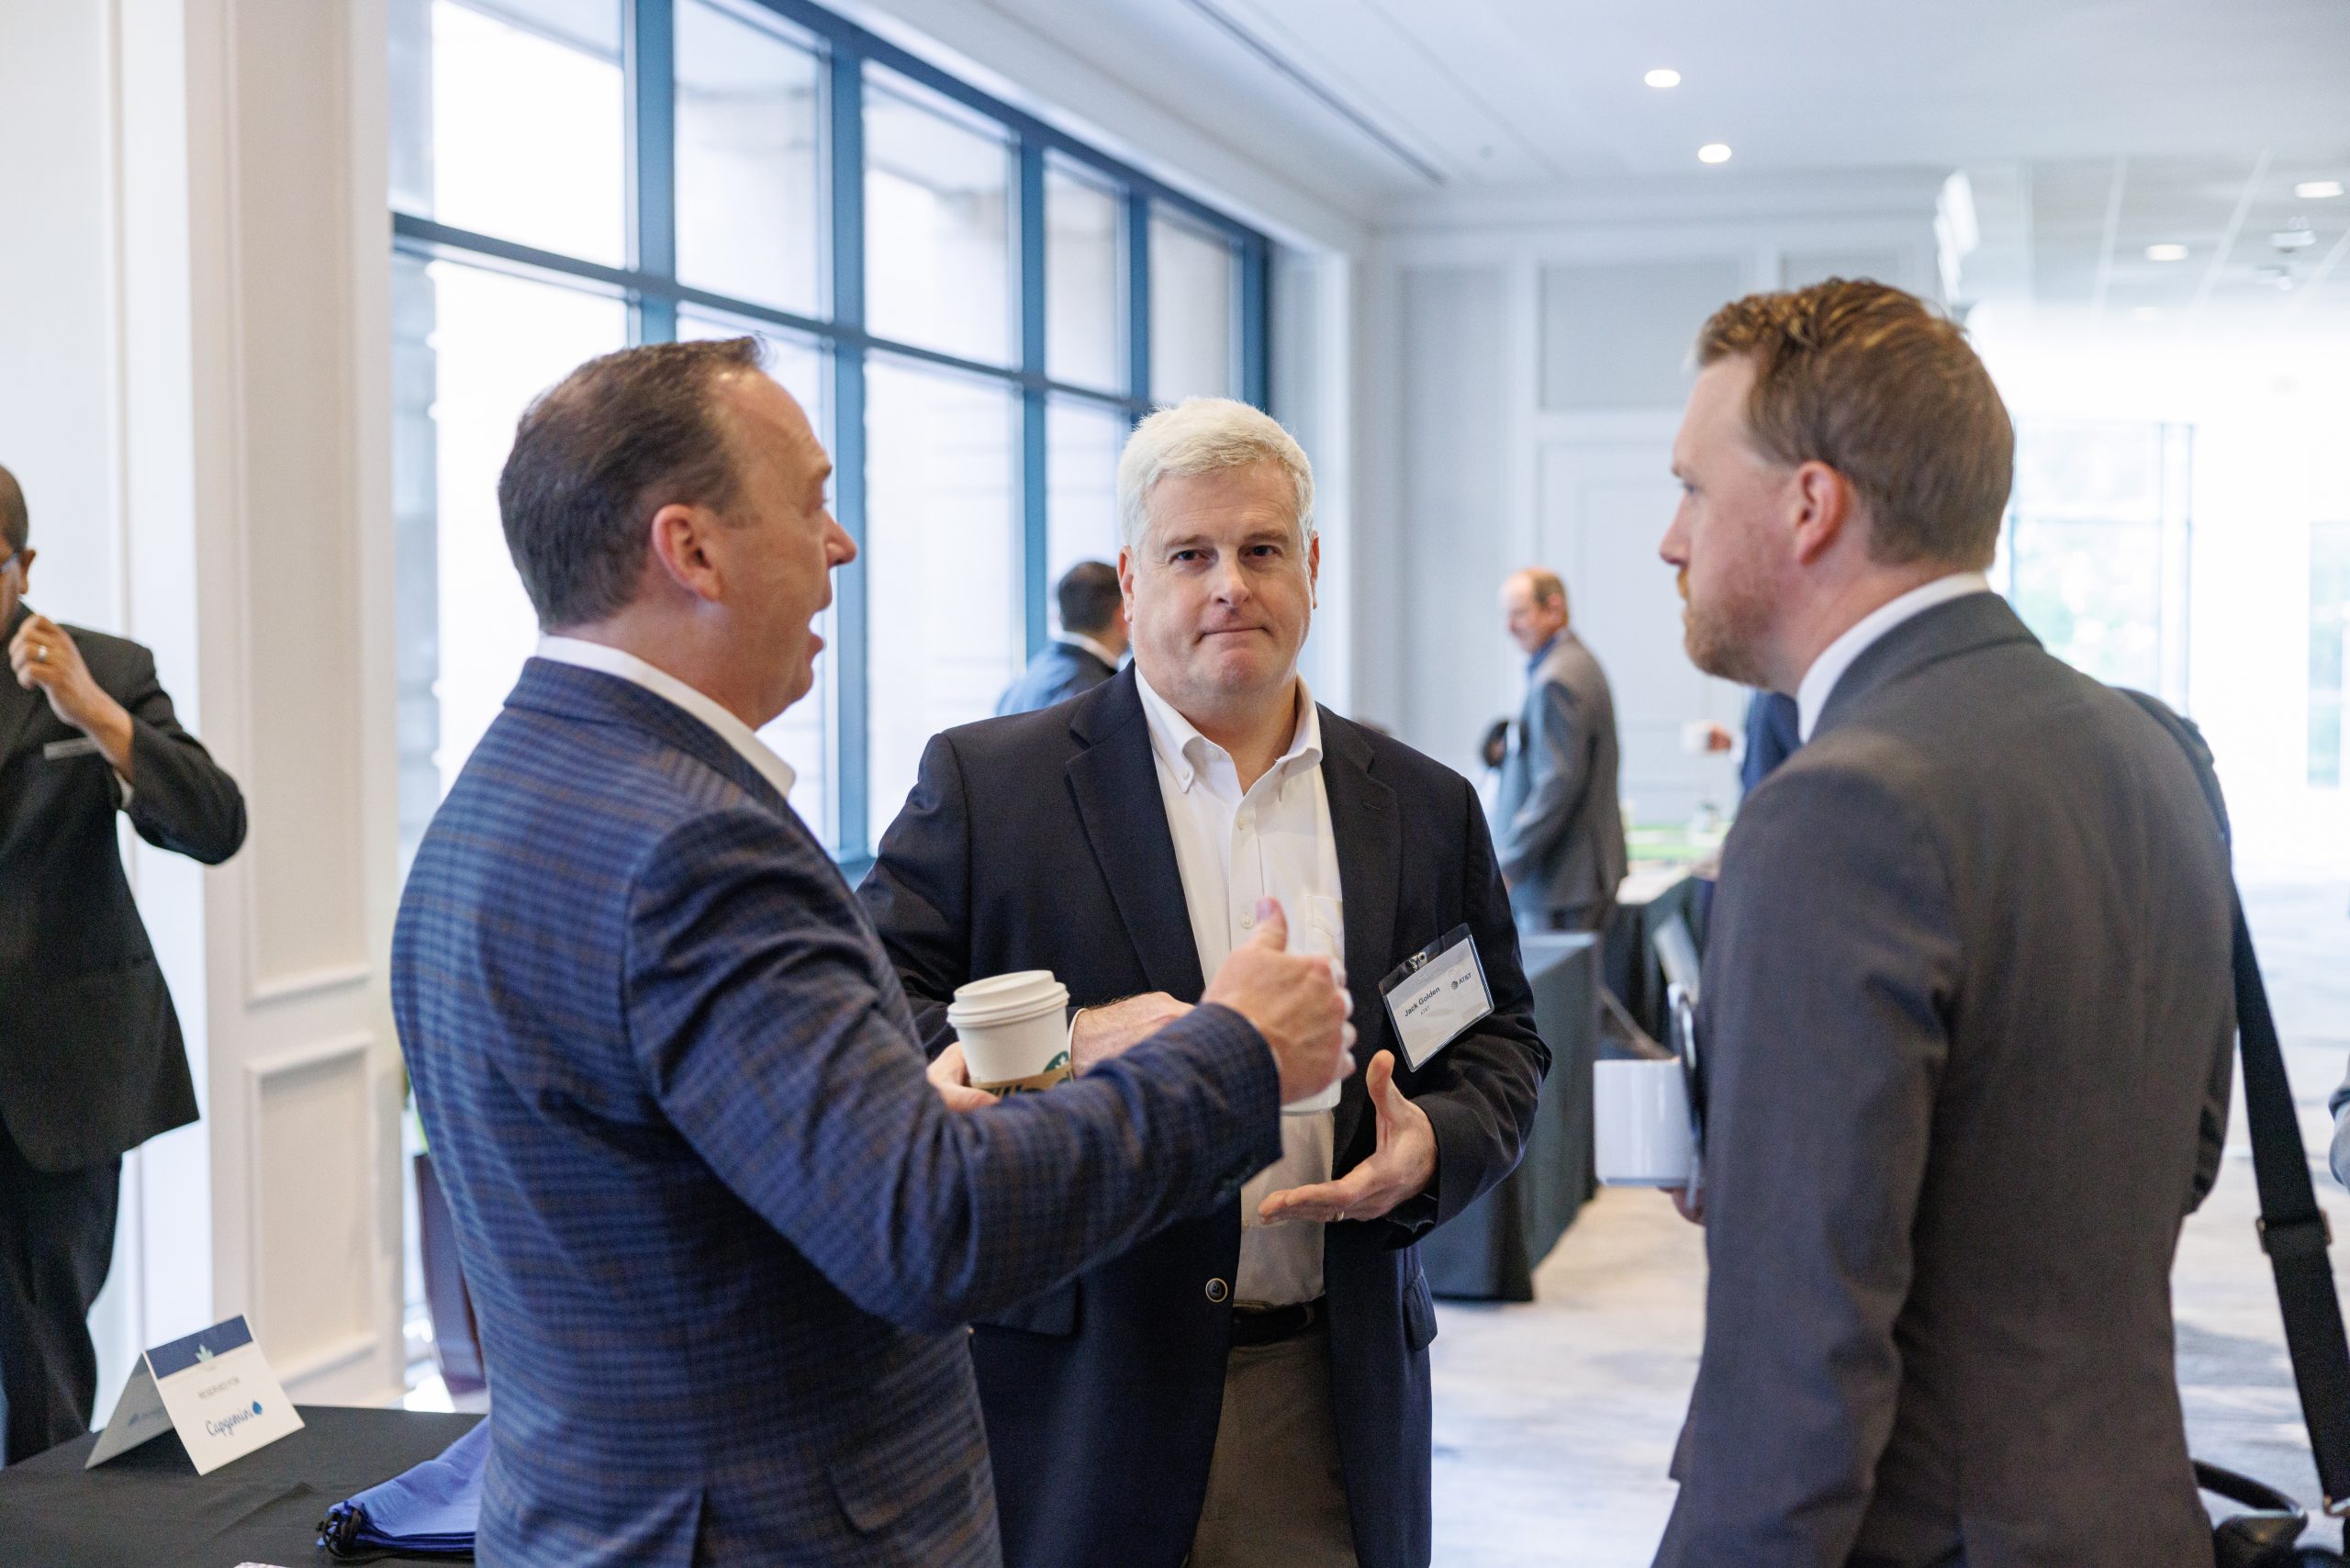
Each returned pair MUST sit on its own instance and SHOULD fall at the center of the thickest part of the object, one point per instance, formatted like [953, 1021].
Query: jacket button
[1217, 1291]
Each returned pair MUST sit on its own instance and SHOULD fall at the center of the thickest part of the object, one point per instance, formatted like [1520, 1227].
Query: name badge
[1436, 995]
[65, 751]
[214, 1388]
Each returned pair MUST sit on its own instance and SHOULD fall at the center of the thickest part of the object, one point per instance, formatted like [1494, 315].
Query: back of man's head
[601, 450]
[1876, 384]
[1088, 594]
[15, 522]
[1550, 589]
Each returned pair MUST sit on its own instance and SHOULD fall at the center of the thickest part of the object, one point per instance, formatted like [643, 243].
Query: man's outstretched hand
[1400, 1166]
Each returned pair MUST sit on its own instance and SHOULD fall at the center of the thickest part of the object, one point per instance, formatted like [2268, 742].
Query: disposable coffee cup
[1641, 1133]
[1014, 1030]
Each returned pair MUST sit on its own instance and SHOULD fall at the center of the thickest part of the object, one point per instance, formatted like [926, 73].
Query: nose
[839, 548]
[1674, 548]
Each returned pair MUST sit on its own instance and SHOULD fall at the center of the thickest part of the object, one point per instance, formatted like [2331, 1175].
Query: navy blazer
[1062, 670]
[91, 1059]
[720, 1232]
[1040, 841]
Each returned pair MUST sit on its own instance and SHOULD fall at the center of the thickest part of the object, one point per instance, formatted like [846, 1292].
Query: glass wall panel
[1194, 327]
[510, 120]
[489, 343]
[938, 262]
[1085, 297]
[749, 109]
[805, 734]
[942, 557]
[1082, 445]
[2329, 652]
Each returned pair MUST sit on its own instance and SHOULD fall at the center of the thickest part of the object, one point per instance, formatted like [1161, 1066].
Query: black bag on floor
[2294, 1234]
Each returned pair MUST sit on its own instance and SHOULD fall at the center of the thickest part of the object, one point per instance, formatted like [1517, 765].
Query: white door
[1604, 504]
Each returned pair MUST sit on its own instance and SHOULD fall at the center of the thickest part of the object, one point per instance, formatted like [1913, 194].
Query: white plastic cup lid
[1006, 999]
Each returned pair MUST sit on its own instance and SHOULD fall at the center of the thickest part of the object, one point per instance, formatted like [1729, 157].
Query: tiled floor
[1554, 1420]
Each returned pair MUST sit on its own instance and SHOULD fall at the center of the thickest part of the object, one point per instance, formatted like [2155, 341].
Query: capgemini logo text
[228, 1423]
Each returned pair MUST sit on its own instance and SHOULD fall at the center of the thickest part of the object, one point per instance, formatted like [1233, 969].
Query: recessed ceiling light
[2292, 239]
[1665, 77]
[2318, 190]
[2165, 253]
[1713, 152]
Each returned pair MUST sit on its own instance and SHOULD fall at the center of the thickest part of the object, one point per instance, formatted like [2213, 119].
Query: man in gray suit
[1557, 827]
[1967, 1010]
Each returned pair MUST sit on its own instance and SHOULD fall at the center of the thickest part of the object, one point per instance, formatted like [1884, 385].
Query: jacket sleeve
[918, 892]
[1831, 962]
[756, 1021]
[1558, 745]
[180, 799]
[1480, 1093]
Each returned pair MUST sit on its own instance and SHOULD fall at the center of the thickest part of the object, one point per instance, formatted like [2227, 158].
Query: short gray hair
[1207, 435]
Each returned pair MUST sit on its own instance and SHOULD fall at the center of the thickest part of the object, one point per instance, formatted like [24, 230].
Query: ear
[681, 538]
[1314, 571]
[1126, 582]
[1823, 503]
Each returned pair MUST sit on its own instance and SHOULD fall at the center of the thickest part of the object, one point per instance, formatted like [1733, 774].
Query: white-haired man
[1249, 1386]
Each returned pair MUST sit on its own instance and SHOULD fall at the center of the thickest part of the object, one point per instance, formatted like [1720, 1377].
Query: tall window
[972, 306]
[2094, 556]
[2329, 652]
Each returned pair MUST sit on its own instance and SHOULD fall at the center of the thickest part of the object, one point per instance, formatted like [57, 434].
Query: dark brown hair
[1088, 595]
[16, 523]
[1885, 390]
[598, 453]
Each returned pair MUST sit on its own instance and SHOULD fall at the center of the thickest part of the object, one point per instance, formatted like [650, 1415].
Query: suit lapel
[1370, 835]
[16, 703]
[1116, 783]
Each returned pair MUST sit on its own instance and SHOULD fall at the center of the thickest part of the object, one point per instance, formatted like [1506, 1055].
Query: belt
[1271, 1325]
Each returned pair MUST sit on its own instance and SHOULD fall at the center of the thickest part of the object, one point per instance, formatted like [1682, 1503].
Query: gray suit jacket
[1967, 1017]
[1558, 830]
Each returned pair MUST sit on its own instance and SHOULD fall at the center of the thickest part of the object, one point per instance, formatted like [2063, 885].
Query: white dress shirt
[662, 684]
[1233, 846]
[1099, 649]
[1819, 680]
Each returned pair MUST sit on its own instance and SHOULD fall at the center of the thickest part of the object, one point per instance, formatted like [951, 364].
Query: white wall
[1523, 362]
[197, 385]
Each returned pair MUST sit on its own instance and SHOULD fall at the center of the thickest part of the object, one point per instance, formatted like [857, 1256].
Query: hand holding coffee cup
[1294, 1000]
[1013, 1030]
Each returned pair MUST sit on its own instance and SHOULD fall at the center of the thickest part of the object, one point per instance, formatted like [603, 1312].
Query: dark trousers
[56, 1244]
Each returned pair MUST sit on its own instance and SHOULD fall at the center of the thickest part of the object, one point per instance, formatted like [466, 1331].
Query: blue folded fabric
[430, 1511]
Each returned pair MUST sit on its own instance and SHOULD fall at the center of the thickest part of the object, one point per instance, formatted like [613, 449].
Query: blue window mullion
[846, 103]
[653, 160]
[1034, 411]
[1138, 297]
[1255, 289]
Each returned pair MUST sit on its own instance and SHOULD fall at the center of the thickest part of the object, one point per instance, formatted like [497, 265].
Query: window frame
[650, 286]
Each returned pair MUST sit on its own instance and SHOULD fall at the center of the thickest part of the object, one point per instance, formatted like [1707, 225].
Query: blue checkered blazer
[719, 1231]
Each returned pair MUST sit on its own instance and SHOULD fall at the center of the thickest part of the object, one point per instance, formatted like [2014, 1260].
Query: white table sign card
[214, 1388]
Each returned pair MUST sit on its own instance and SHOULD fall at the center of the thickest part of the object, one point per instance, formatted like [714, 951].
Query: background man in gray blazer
[1557, 827]
[1966, 1007]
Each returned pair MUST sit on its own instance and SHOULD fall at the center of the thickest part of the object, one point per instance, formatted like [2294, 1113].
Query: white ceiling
[2091, 127]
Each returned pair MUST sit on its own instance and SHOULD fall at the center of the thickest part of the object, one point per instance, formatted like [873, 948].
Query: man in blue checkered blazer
[721, 1232]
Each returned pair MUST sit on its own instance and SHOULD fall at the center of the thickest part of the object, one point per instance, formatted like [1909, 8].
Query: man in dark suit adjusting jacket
[1251, 1388]
[91, 1063]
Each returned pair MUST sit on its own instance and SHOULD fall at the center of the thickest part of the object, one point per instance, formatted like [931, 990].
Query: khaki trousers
[1275, 1496]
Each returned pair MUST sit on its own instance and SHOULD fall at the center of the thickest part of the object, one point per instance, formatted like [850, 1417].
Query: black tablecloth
[1489, 1251]
[149, 1507]
[1629, 964]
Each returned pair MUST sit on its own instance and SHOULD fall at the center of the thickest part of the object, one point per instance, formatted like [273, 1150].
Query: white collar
[1819, 680]
[1185, 751]
[1099, 650]
[662, 684]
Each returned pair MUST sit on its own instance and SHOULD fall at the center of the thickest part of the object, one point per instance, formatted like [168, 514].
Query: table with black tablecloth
[1489, 1251]
[149, 1507]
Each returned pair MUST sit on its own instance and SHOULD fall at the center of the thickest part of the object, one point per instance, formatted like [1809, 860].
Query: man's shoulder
[109, 657]
[1402, 766]
[1029, 740]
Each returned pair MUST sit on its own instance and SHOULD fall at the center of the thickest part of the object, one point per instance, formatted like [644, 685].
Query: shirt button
[1218, 1291]
[1249, 920]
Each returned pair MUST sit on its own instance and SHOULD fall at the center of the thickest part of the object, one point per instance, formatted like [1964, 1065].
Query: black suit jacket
[1040, 841]
[91, 1063]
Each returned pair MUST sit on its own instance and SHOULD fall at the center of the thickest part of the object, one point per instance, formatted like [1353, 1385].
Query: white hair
[1207, 435]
